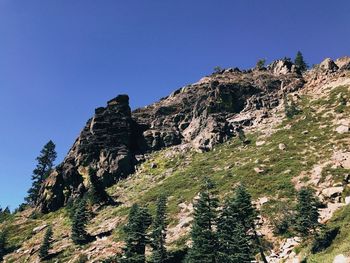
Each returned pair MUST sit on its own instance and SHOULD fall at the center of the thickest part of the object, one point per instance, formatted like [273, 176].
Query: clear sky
[60, 59]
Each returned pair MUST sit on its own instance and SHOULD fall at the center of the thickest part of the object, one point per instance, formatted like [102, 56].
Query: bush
[113, 259]
[281, 226]
[218, 69]
[177, 255]
[290, 109]
[324, 239]
[82, 259]
[260, 64]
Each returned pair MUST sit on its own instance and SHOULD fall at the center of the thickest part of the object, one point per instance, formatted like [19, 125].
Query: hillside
[170, 146]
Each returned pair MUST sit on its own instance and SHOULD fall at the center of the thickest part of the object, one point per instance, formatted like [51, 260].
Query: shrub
[324, 239]
[290, 109]
[218, 69]
[260, 64]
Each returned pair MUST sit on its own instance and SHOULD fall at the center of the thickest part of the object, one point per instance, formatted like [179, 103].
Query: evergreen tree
[80, 219]
[248, 215]
[45, 246]
[260, 64]
[97, 192]
[159, 232]
[204, 238]
[2, 245]
[41, 172]
[307, 212]
[299, 62]
[234, 243]
[4, 214]
[218, 69]
[136, 236]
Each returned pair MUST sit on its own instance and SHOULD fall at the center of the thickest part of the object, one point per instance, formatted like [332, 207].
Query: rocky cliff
[170, 146]
[200, 115]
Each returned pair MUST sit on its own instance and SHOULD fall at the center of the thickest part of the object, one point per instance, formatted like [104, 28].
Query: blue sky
[61, 59]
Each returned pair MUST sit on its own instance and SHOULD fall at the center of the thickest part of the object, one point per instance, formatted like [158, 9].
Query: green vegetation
[46, 244]
[324, 239]
[2, 244]
[5, 214]
[41, 172]
[309, 138]
[290, 108]
[218, 69]
[204, 238]
[307, 212]
[80, 219]
[260, 64]
[299, 62]
[234, 243]
[158, 236]
[341, 243]
[136, 235]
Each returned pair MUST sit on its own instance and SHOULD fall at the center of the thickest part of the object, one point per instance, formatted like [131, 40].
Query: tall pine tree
[2, 244]
[46, 244]
[307, 212]
[234, 243]
[299, 62]
[136, 235]
[158, 235]
[80, 219]
[204, 238]
[248, 215]
[41, 172]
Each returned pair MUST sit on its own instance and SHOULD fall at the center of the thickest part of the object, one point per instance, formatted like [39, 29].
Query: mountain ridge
[275, 158]
[197, 114]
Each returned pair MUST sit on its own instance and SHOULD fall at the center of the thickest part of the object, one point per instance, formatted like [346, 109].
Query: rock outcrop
[107, 143]
[199, 116]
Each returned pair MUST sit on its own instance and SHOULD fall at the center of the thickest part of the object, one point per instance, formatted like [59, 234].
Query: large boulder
[282, 67]
[328, 65]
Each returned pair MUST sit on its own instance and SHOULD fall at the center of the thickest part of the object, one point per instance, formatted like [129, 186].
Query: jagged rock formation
[311, 149]
[199, 115]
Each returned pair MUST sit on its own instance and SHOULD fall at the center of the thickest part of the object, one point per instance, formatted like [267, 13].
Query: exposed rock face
[329, 65]
[108, 143]
[200, 115]
[343, 63]
[282, 67]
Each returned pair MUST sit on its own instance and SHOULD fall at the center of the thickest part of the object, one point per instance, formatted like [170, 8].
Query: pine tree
[248, 215]
[45, 246]
[159, 232]
[80, 219]
[4, 214]
[2, 245]
[97, 192]
[204, 238]
[136, 236]
[307, 212]
[260, 64]
[234, 243]
[41, 172]
[299, 62]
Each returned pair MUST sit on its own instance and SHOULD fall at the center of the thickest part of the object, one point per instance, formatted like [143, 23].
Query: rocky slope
[169, 146]
[201, 115]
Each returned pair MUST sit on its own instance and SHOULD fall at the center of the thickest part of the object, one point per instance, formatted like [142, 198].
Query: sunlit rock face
[198, 116]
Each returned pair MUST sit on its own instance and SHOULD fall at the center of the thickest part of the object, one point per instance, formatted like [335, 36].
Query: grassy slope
[179, 175]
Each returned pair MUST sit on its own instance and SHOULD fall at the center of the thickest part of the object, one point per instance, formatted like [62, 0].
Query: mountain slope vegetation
[274, 158]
